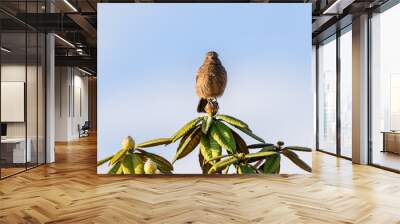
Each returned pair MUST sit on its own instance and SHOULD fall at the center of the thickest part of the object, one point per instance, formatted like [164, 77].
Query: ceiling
[75, 21]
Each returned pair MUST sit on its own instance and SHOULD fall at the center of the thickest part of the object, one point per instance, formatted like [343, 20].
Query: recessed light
[84, 71]
[337, 7]
[5, 50]
[64, 40]
[70, 5]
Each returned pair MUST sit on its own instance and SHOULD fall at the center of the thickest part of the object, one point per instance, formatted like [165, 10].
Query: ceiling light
[5, 50]
[70, 5]
[65, 41]
[338, 6]
[84, 71]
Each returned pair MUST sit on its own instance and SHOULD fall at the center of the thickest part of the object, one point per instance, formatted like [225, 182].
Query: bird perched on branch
[211, 81]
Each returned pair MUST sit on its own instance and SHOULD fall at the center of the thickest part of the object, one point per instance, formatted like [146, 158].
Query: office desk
[391, 142]
[15, 148]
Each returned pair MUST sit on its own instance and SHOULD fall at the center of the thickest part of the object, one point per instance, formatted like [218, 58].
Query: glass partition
[22, 101]
[14, 153]
[31, 99]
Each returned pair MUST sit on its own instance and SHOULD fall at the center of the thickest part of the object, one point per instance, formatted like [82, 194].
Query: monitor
[3, 129]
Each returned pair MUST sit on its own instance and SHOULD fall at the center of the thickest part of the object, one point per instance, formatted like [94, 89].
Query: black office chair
[84, 130]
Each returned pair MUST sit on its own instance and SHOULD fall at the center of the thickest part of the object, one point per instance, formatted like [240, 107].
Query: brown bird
[211, 81]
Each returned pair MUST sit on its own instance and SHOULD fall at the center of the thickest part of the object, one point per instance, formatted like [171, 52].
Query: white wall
[79, 117]
[62, 81]
[69, 84]
[9, 73]
[16, 73]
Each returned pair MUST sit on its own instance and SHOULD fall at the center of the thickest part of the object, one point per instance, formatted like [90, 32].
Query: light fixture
[80, 51]
[84, 71]
[5, 50]
[65, 41]
[337, 7]
[70, 5]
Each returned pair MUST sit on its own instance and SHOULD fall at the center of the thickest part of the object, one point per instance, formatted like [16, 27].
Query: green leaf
[120, 170]
[127, 165]
[251, 134]
[114, 168]
[272, 164]
[155, 142]
[269, 148]
[164, 171]
[259, 154]
[296, 160]
[223, 136]
[221, 165]
[209, 148]
[119, 156]
[101, 162]
[206, 124]
[201, 161]
[184, 138]
[299, 148]
[243, 169]
[162, 164]
[188, 145]
[205, 148]
[215, 148]
[261, 145]
[232, 121]
[241, 145]
[138, 164]
[205, 166]
[186, 128]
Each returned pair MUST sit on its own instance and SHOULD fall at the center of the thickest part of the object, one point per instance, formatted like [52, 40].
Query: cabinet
[391, 142]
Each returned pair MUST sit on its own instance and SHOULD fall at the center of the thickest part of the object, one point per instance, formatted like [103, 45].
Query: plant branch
[218, 157]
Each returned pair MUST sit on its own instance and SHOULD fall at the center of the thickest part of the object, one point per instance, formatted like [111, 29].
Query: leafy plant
[220, 148]
[266, 161]
[214, 137]
[132, 159]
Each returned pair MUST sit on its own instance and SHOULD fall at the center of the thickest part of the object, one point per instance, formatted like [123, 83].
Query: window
[385, 88]
[335, 74]
[327, 95]
[346, 93]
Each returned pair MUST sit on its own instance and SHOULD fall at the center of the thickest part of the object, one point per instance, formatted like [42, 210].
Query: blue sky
[149, 54]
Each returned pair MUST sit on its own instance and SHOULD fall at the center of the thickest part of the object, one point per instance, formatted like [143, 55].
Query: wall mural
[137, 103]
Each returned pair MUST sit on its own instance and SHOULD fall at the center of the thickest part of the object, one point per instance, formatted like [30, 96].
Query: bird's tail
[202, 104]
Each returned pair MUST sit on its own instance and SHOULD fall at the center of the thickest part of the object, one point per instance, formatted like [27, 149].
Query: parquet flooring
[69, 191]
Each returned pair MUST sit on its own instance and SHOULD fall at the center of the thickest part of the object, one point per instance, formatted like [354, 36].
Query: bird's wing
[200, 73]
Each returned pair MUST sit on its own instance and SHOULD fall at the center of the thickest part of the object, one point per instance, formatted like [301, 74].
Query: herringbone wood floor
[69, 191]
